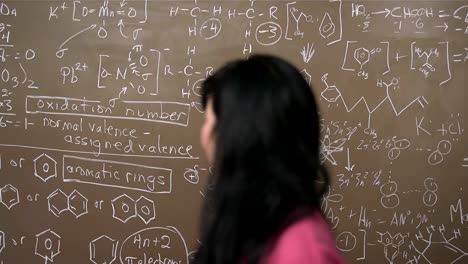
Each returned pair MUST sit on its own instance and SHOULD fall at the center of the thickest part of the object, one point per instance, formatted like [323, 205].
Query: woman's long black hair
[267, 168]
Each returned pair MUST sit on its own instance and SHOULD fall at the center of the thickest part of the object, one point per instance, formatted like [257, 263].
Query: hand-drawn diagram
[359, 56]
[398, 146]
[45, 167]
[425, 59]
[328, 148]
[299, 20]
[390, 198]
[331, 94]
[99, 123]
[437, 156]
[103, 250]
[125, 208]
[48, 245]
[59, 202]
[392, 244]
[440, 237]
[9, 196]
[430, 195]
[77, 204]
[145, 209]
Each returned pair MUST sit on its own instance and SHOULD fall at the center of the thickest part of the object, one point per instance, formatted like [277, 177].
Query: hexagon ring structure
[47, 245]
[103, 250]
[145, 209]
[123, 208]
[362, 56]
[77, 204]
[331, 94]
[327, 27]
[45, 167]
[57, 202]
[9, 196]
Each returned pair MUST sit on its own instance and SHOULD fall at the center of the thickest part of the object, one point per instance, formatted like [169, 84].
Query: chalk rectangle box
[117, 174]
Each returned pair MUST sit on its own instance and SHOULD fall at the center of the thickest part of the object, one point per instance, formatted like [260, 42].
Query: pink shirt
[308, 240]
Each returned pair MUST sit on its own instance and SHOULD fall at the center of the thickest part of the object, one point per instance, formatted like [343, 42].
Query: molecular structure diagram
[332, 94]
[124, 208]
[59, 202]
[45, 167]
[48, 245]
[103, 250]
[441, 238]
[391, 245]
[9, 196]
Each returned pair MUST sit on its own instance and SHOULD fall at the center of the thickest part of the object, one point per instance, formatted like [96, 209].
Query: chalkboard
[100, 115]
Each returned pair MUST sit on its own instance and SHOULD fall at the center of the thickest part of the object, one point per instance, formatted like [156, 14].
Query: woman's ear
[208, 133]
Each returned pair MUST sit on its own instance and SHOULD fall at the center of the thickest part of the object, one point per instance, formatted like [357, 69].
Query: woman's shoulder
[307, 240]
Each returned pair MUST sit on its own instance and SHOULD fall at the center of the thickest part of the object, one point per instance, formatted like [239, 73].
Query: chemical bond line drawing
[438, 236]
[125, 208]
[103, 250]
[330, 28]
[427, 58]
[140, 71]
[9, 196]
[331, 94]
[357, 57]
[391, 245]
[45, 167]
[48, 245]
[58, 202]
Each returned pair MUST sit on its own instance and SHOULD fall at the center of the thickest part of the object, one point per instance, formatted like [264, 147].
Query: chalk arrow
[349, 167]
[445, 26]
[123, 91]
[121, 26]
[123, 3]
[386, 12]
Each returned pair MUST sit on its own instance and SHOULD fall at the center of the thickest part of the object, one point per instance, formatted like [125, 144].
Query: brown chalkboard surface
[100, 116]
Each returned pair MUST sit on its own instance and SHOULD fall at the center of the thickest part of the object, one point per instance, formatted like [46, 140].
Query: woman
[261, 134]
